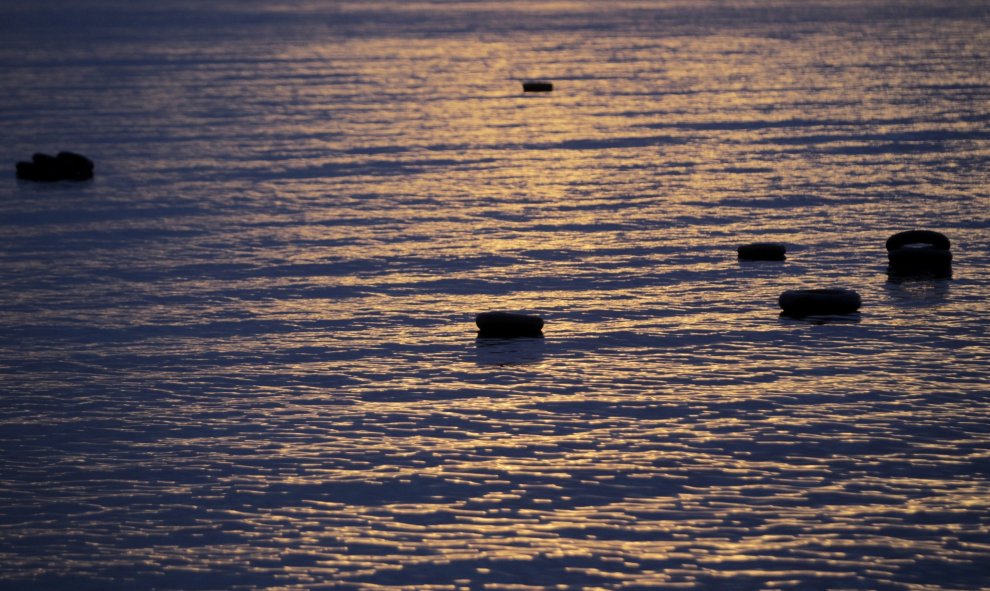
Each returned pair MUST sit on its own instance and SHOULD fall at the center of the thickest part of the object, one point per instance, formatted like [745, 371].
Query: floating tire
[819, 302]
[930, 238]
[65, 166]
[919, 253]
[507, 325]
[762, 251]
[537, 86]
[920, 260]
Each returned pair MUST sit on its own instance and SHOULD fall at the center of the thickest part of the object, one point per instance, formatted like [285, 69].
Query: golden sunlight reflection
[246, 355]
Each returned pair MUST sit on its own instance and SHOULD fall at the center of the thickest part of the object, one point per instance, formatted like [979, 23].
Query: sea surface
[244, 355]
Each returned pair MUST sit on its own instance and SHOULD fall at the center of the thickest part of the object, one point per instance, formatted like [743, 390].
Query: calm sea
[244, 355]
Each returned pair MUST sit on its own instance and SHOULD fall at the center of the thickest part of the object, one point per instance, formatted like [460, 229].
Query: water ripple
[244, 356]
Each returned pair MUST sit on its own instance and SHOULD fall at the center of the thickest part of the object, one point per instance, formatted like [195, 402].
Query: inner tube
[762, 251]
[814, 302]
[929, 237]
[537, 86]
[507, 325]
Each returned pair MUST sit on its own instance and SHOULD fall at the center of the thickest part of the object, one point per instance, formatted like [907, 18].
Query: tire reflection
[518, 351]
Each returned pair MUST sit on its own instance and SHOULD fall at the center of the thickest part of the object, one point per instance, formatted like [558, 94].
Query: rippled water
[244, 355]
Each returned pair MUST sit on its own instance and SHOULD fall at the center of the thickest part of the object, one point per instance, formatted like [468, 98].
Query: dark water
[243, 356]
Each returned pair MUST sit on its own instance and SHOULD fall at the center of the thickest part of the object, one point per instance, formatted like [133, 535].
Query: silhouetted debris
[919, 253]
[65, 166]
[537, 86]
[762, 251]
[815, 302]
[508, 325]
[930, 237]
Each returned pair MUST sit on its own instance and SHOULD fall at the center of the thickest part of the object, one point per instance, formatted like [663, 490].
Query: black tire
[66, 166]
[29, 171]
[762, 251]
[507, 325]
[537, 86]
[819, 302]
[920, 261]
[74, 166]
[929, 237]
